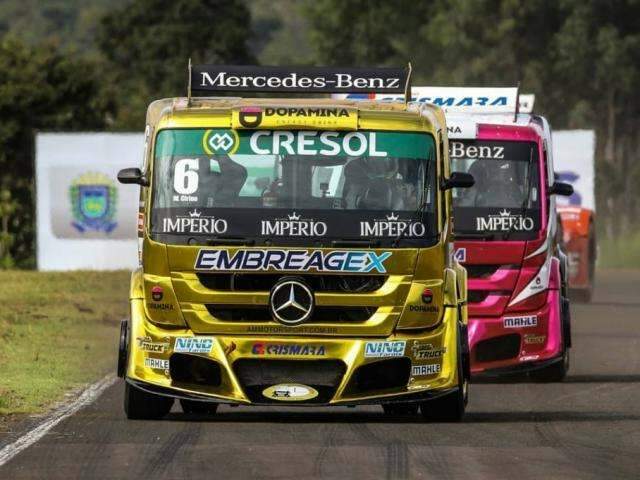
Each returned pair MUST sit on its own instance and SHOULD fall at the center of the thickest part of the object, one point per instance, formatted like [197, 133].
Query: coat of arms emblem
[93, 202]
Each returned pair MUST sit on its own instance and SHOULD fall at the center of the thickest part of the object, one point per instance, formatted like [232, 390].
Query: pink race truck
[519, 315]
[506, 229]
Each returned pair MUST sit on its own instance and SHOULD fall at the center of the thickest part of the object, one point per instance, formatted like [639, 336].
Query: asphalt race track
[587, 427]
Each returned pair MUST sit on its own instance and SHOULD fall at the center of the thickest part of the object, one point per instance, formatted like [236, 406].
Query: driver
[379, 187]
[505, 190]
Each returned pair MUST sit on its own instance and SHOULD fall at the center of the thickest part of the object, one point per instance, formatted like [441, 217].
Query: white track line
[91, 393]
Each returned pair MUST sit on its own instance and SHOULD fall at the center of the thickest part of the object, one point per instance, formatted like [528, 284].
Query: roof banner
[456, 99]
[240, 78]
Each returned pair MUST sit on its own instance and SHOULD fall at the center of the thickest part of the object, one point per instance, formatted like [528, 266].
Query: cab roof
[183, 106]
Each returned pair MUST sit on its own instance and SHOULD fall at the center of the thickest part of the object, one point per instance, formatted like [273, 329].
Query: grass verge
[58, 331]
[620, 252]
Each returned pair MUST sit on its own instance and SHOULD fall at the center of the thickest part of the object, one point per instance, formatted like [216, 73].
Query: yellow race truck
[295, 251]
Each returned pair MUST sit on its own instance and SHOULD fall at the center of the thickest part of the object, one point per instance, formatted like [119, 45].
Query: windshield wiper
[230, 241]
[525, 202]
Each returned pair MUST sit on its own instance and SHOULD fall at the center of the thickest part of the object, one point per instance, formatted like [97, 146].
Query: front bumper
[343, 370]
[497, 349]
[514, 370]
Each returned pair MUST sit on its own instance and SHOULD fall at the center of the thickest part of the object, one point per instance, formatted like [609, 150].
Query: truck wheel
[198, 408]
[553, 373]
[140, 405]
[448, 408]
[397, 409]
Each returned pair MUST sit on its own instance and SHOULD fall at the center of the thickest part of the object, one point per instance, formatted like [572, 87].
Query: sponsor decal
[290, 392]
[532, 339]
[293, 226]
[157, 293]
[480, 100]
[518, 322]
[193, 345]
[156, 363]
[505, 221]
[189, 144]
[305, 112]
[384, 349]
[194, 222]
[250, 117]
[444, 100]
[292, 260]
[392, 226]
[423, 370]
[427, 295]
[229, 348]
[146, 344]
[293, 329]
[93, 199]
[424, 308]
[305, 79]
[460, 255]
[423, 351]
[305, 142]
[462, 150]
[220, 141]
[160, 306]
[254, 117]
[529, 358]
[288, 349]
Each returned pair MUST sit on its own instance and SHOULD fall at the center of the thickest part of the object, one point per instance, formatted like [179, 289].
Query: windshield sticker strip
[286, 142]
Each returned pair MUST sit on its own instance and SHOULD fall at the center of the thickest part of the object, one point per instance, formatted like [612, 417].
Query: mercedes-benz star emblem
[291, 302]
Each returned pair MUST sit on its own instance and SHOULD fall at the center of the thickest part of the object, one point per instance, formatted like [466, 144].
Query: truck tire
[140, 405]
[558, 371]
[449, 408]
[553, 373]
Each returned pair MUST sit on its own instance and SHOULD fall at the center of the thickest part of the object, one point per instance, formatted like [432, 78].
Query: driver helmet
[381, 167]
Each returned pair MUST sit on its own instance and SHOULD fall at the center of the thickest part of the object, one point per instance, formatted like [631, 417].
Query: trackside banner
[574, 158]
[86, 219]
[237, 78]
[454, 99]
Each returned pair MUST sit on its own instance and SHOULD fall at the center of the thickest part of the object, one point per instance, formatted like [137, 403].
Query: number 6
[185, 176]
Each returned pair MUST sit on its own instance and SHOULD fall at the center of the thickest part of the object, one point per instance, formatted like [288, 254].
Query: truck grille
[257, 313]
[477, 296]
[255, 282]
[481, 271]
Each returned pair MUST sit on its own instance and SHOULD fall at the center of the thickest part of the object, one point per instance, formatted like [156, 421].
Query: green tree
[148, 42]
[40, 89]
[580, 57]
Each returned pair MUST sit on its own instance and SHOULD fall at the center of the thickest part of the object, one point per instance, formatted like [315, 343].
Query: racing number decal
[460, 255]
[185, 176]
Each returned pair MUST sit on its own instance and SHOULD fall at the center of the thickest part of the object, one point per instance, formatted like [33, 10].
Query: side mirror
[561, 188]
[132, 175]
[458, 180]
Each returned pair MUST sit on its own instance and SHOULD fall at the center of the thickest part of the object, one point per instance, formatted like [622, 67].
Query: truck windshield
[505, 199]
[278, 186]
